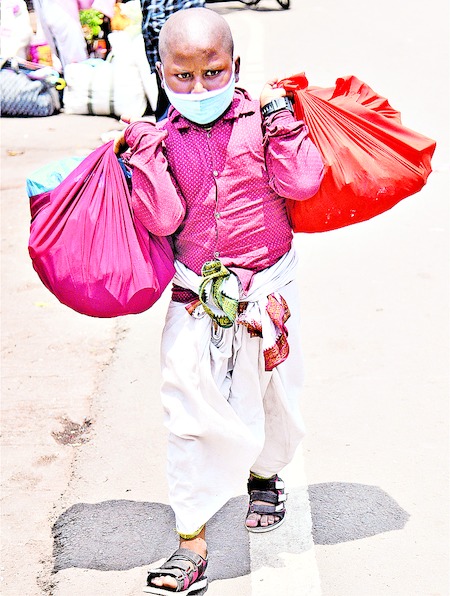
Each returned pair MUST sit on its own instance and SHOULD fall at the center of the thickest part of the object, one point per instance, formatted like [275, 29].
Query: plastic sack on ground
[87, 247]
[26, 90]
[110, 87]
[371, 160]
[125, 43]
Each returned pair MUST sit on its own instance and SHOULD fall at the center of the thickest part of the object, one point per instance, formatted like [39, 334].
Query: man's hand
[119, 142]
[271, 91]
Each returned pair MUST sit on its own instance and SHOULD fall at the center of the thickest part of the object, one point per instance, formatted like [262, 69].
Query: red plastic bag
[371, 160]
[87, 247]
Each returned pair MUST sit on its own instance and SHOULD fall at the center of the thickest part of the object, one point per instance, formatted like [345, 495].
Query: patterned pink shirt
[221, 193]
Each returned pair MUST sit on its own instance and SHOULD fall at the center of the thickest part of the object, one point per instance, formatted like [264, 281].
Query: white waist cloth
[263, 283]
[225, 413]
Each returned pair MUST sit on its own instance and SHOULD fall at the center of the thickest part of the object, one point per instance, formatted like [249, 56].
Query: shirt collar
[242, 105]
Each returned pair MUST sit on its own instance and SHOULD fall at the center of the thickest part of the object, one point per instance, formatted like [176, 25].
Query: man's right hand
[120, 144]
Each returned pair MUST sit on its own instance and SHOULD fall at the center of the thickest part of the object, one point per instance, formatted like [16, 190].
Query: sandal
[187, 567]
[271, 491]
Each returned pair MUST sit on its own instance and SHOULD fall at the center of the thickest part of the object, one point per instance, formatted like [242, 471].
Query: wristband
[277, 104]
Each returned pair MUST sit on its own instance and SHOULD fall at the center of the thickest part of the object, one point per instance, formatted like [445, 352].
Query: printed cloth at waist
[262, 310]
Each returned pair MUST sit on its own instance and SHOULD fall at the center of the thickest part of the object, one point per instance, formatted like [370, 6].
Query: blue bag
[50, 176]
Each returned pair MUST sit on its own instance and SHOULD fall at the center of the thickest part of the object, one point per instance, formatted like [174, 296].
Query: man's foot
[183, 572]
[266, 509]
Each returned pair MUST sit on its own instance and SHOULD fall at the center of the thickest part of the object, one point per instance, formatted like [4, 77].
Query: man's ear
[237, 68]
[160, 73]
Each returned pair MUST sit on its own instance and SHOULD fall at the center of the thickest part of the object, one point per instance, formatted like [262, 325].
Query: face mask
[203, 108]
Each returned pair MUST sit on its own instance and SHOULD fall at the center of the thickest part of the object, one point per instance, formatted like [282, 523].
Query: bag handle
[295, 83]
[11, 63]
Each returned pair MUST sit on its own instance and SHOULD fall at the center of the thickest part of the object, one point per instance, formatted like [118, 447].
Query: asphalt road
[84, 502]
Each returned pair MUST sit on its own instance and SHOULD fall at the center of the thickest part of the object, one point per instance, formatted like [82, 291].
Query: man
[215, 175]
[60, 22]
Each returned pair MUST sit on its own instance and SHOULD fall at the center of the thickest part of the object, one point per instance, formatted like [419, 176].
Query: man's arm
[294, 164]
[155, 199]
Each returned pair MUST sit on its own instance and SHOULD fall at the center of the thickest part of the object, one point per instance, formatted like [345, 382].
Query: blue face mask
[203, 108]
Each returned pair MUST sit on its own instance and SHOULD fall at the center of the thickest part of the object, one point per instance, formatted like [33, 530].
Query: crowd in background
[100, 54]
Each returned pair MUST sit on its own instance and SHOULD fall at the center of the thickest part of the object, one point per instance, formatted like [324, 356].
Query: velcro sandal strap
[274, 483]
[183, 558]
[264, 495]
[178, 574]
[266, 509]
[261, 509]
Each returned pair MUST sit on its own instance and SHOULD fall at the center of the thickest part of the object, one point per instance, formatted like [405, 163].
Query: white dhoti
[225, 413]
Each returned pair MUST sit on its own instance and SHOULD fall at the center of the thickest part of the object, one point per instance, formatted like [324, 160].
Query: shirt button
[217, 215]
[215, 173]
[216, 254]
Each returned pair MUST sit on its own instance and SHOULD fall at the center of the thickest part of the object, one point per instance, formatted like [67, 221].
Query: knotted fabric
[263, 311]
[219, 293]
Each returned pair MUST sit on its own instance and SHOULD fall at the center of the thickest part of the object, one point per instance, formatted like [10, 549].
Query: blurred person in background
[154, 14]
[60, 23]
[16, 30]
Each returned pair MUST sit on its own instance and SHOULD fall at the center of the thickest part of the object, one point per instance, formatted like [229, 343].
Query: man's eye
[212, 73]
[183, 75]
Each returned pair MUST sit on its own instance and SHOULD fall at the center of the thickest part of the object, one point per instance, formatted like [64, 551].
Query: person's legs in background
[163, 103]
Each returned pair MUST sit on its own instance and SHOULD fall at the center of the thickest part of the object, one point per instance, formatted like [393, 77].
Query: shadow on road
[123, 534]
[344, 511]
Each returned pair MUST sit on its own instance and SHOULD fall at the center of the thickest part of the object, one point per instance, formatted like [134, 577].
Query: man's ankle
[197, 544]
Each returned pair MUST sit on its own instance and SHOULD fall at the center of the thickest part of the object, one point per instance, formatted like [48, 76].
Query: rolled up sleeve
[155, 199]
[294, 164]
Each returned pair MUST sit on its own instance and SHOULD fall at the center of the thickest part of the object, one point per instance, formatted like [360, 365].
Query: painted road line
[283, 561]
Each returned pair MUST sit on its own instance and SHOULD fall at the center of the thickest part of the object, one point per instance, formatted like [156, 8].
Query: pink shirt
[221, 193]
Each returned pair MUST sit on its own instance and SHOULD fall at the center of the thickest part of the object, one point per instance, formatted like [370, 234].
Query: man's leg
[284, 427]
[213, 437]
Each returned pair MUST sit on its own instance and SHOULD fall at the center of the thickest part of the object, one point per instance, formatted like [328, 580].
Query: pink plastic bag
[88, 248]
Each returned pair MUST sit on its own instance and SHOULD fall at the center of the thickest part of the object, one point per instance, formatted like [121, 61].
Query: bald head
[195, 28]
